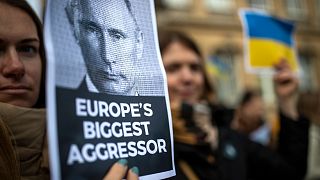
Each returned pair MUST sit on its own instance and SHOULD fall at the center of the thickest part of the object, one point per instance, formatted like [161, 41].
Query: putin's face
[109, 39]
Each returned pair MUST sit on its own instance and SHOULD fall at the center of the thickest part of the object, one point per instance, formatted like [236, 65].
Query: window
[223, 69]
[261, 4]
[317, 6]
[296, 9]
[220, 6]
[177, 4]
[308, 77]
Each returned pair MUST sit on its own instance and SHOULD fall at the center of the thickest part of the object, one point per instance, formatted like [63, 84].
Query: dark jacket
[238, 158]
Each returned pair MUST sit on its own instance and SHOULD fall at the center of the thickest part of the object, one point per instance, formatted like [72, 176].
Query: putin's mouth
[114, 77]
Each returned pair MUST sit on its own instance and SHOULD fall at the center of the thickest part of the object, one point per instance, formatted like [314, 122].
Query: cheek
[172, 87]
[172, 82]
[89, 42]
[126, 51]
[246, 111]
[199, 83]
[89, 46]
[34, 70]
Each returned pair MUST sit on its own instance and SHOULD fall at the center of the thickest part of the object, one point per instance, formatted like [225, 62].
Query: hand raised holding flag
[286, 87]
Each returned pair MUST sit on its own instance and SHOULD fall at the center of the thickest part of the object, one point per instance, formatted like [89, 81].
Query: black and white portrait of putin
[111, 43]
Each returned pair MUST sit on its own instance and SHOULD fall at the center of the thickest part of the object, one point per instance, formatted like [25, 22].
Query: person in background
[309, 105]
[249, 118]
[23, 146]
[205, 150]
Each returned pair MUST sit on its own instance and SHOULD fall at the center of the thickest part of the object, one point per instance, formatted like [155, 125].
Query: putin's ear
[139, 44]
[72, 11]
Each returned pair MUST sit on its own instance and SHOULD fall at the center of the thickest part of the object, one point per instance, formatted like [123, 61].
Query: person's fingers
[117, 171]
[282, 65]
[133, 173]
[284, 78]
[284, 75]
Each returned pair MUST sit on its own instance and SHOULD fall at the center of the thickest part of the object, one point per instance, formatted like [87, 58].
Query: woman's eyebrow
[28, 40]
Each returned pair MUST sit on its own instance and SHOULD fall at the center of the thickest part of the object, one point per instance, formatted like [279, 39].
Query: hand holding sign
[119, 169]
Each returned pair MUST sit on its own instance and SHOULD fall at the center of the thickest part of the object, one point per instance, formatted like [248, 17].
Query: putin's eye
[116, 35]
[90, 27]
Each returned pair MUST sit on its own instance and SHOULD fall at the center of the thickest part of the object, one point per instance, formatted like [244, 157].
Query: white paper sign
[107, 94]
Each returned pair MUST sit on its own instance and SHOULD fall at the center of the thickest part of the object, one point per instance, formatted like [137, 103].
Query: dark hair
[248, 95]
[166, 38]
[24, 6]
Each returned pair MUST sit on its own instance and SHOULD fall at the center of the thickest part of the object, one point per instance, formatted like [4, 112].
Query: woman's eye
[195, 67]
[172, 68]
[27, 50]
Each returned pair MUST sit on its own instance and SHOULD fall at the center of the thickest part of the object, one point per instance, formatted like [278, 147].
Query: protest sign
[267, 40]
[107, 94]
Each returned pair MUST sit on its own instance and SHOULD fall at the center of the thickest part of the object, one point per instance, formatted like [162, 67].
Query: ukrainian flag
[268, 40]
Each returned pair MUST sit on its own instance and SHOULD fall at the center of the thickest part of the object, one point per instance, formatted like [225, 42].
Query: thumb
[133, 173]
[117, 171]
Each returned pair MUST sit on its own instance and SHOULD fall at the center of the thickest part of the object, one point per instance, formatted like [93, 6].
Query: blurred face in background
[20, 62]
[253, 110]
[184, 73]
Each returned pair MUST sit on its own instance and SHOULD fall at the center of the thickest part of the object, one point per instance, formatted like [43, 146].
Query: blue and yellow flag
[267, 40]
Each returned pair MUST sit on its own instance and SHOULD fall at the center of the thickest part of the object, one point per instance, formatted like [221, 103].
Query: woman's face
[184, 73]
[20, 62]
[253, 110]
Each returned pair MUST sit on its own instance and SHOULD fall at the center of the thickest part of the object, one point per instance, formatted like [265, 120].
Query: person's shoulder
[222, 116]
